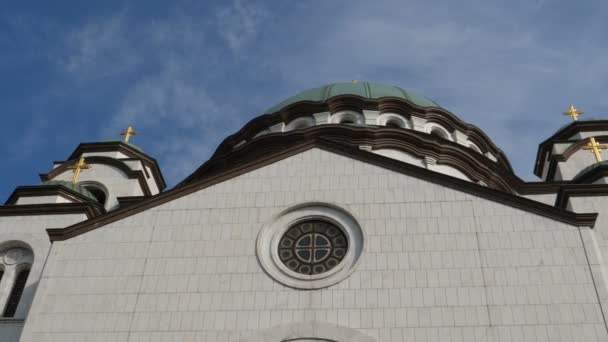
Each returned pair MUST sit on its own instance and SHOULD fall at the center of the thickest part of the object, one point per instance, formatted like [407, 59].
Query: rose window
[312, 247]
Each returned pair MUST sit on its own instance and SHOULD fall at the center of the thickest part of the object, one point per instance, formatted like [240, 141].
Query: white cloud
[492, 66]
[100, 49]
[239, 23]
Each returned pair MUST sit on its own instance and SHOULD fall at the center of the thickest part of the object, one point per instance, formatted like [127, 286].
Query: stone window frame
[385, 119]
[271, 233]
[341, 117]
[20, 260]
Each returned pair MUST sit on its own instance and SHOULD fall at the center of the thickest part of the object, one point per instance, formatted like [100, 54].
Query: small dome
[362, 89]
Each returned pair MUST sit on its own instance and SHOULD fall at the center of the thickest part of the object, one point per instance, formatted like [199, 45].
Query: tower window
[98, 191]
[99, 195]
[15, 297]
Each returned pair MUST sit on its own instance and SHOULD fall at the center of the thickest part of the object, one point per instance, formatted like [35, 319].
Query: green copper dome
[363, 89]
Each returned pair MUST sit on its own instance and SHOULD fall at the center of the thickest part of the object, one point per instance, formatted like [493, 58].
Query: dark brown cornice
[579, 190]
[353, 102]
[473, 164]
[88, 209]
[126, 149]
[129, 200]
[117, 163]
[563, 135]
[49, 190]
[575, 146]
[271, 149]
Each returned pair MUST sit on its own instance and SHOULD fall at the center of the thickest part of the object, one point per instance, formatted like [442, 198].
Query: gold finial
[573, 112]
[595, 148]
[355, 81]
[128, 133]
[78, 168]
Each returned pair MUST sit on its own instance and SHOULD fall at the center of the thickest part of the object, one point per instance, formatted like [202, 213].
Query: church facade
[353, 212]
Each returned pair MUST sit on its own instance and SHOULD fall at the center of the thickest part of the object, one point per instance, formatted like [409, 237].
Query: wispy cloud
[167, 68]
[188, 76]
[240, 22]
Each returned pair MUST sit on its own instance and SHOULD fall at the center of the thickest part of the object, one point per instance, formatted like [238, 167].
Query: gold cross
[78, 168]
[595, 148]
[573, 113]
[128, 133]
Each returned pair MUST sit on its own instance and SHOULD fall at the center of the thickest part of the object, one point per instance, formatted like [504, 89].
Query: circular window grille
[312, 247]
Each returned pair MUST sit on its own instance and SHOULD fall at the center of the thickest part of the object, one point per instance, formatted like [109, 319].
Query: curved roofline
[358, 103]
[367, 90]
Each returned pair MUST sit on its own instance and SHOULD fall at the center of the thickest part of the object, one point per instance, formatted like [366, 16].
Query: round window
[312, 247]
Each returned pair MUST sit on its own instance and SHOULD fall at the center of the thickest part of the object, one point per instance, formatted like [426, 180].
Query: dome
[362, 89]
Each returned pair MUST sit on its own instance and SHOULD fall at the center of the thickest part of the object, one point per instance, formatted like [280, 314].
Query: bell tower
[95, 178]
[111, 174]
[574, 152]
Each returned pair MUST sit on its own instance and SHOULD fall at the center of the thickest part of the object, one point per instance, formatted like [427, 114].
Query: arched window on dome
[392, 120]
[347, 117]
[438, 131]
[393, 124]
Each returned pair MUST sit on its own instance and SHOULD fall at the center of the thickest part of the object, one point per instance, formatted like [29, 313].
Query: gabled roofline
[272, 149]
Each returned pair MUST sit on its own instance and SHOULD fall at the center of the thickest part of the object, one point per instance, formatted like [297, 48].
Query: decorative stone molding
[347, 115]
[385, 119]
[15, 257]
[271, 233]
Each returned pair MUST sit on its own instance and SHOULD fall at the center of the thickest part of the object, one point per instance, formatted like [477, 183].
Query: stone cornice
[357, 103]
[87, 209]
[563, 135]
[272, 149]
[117, 163]
[126, 149]
[575, 146]
[48, 190]
[476, 166]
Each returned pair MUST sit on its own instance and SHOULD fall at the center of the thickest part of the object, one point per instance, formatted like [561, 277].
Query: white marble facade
[436, 264]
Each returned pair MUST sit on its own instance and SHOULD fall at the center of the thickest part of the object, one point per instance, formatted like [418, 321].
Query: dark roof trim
[554, 159]
[593, 174]
[273, 149]
[88, 209]
[357, 103]
[132, 174]
[126, 149]
[49, 190]
[129, 200]
[473, 164]
[564, 134]
[577, 190]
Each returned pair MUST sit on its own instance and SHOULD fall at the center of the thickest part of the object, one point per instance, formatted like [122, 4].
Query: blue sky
[187, 74]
